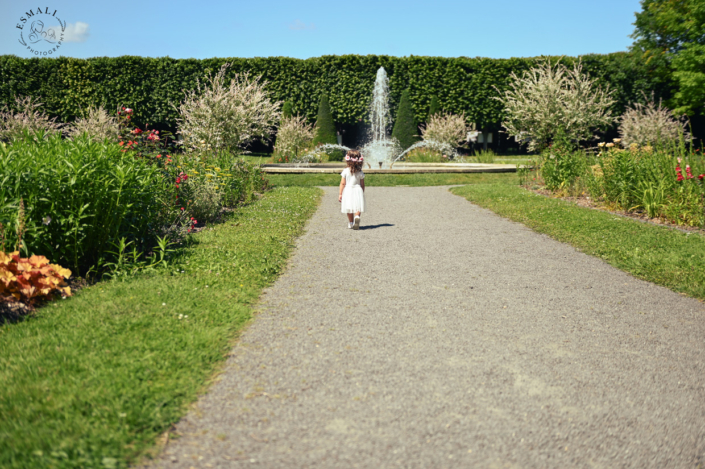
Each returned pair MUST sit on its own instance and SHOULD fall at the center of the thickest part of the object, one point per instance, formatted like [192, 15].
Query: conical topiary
[287, 110]
[434, 108]
[405, 128]
[325, 130]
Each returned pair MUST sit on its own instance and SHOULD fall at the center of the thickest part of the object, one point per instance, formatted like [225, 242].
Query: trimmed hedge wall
[152, 86]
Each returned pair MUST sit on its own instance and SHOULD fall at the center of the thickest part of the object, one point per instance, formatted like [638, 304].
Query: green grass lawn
[661, 255]
[414, 179]
[91, 381]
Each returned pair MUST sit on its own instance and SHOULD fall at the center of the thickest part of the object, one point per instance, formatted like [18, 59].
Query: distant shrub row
[152, 86]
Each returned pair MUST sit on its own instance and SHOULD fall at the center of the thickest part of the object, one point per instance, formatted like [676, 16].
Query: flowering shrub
[651, 125]
[553, 101]
[29, 280]
[26, 119]
[449, 129]
[97, 124]
[219, 117]
[293, 136]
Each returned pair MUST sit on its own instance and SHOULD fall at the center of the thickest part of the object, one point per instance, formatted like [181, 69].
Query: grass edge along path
[92, 381]
[657, 254]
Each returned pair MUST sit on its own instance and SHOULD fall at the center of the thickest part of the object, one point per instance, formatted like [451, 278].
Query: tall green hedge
[153, 86]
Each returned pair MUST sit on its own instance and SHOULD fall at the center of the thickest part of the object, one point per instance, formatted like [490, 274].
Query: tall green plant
[434, 108]
[325, 129]
[287, 109]
[406, 129]
[81, 197]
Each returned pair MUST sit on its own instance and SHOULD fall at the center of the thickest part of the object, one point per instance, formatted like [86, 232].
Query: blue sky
[302, 29]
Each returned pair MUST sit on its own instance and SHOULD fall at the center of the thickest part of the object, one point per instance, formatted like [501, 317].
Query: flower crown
[354, 160]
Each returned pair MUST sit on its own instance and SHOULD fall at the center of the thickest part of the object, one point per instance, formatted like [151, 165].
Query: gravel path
[441, 335]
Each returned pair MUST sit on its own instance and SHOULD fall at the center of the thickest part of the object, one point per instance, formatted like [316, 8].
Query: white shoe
[350, 225]
[356, 224]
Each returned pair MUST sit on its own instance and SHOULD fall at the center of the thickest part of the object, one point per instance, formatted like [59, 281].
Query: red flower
[159, 156]
[182, 208]
[178, 180]
[195, 221]
[123, 108]
[680, 177]
[701, 177]
[137, 131]
[121, 143]
[177, 186]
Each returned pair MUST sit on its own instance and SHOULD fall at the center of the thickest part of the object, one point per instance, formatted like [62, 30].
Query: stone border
[404, 168]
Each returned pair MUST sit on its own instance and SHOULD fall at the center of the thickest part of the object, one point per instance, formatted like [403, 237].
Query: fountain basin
[397, 168]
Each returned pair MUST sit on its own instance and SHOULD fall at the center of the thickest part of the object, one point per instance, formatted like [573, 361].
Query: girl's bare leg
[357, 214]
[350, 217]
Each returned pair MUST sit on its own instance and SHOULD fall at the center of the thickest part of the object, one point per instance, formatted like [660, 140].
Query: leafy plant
[485, 156]
[218, 116]
[30, 280]
[80, 197]
[552, 100]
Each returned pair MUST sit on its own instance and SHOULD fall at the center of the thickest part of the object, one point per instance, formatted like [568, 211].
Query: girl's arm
[362, 184]
[340, 192]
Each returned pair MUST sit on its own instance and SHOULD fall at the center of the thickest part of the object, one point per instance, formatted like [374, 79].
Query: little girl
[352, 189]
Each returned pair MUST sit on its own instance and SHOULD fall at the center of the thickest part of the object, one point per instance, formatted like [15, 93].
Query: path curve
[441, 335]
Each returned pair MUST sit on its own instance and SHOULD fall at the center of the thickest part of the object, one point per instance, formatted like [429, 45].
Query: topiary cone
[405, 126]
[325, 129]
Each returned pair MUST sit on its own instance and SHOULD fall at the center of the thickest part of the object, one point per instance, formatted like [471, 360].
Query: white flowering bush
[221, 116]
[97, 124]
[552, 101]
[293, 136]
[649, 124]
[448, 129]
[27, 117]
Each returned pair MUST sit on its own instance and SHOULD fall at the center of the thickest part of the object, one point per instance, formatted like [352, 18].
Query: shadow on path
[372, 227]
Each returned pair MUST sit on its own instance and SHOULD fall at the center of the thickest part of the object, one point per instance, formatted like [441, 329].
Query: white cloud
[76, 32]
[299, 25]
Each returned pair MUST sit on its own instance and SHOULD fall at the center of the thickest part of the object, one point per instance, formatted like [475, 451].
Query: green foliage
[664, 256]
[434, 108]
[325, 129]
[80, 198]
[561, 167]
[152, 85]
[406, 129]
[672, 34]
[668, 25]
[287, 110]
[689, 73]
[92, 381]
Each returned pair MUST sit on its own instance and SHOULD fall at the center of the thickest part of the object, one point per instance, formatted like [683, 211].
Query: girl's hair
[354, 160]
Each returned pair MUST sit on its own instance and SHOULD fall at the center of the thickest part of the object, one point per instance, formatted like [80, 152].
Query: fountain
[381, 150]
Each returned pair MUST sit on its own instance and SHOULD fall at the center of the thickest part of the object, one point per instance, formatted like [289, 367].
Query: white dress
[353, 195]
